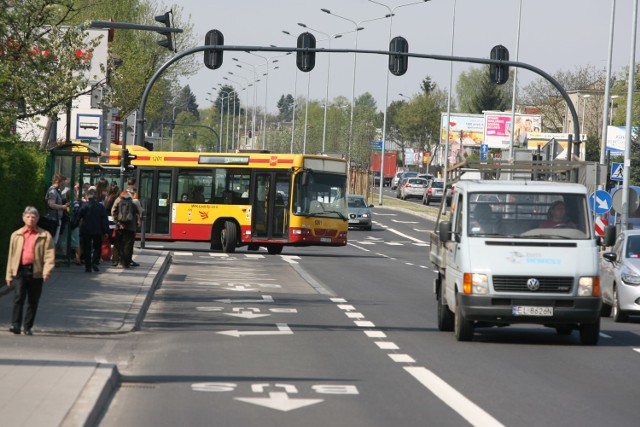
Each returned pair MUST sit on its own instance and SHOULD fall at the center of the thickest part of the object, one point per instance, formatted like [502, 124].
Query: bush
[22, 168]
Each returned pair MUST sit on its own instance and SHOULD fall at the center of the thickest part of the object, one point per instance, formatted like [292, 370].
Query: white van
[517, 252]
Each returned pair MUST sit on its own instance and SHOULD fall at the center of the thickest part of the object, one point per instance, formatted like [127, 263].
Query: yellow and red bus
[238, 199]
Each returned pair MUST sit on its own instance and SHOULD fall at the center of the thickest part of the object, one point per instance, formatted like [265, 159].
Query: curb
[96, 394]
[151, 283]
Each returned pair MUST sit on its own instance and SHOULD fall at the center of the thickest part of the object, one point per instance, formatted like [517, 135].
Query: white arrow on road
[283, 329]
[279, 401]
[249, 313]
[265, 298]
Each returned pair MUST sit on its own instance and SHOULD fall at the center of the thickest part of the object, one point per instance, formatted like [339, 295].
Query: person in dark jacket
[94, 224]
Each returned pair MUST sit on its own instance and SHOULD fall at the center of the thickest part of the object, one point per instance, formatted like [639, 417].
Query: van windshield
[528, 215]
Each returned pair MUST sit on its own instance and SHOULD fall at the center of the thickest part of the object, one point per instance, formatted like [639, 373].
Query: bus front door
[270, 205]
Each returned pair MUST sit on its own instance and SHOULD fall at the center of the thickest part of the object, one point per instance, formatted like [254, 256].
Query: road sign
[484, 149]
[599, 226]
[634, 201]
[376, 145]
[600, 202]
[617, 170]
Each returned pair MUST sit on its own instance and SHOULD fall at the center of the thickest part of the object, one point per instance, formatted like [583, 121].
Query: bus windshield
[320, 194]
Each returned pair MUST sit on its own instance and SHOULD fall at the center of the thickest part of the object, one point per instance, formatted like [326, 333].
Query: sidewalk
[64, 393]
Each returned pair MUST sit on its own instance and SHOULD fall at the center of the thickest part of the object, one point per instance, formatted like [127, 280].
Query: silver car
[620, 277]
[414, 187]
[359, 212]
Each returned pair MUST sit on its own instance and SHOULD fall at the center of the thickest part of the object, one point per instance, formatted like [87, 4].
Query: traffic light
[499, 74]
[166, 20]
[398, 63]
[126, 158]
[306, 60]
[213, 58]
[148, 145]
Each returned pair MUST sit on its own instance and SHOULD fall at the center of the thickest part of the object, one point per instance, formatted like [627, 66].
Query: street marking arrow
[248, 313]
[265, 298]
[279, 401]
[283, 329]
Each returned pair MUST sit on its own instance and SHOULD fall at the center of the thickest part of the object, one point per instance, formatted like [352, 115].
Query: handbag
[105, 250]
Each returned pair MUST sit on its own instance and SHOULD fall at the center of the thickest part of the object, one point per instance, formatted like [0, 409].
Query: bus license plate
[525, 310]
[325, 239]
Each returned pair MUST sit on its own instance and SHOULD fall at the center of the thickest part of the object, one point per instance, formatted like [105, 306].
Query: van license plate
[525, 310]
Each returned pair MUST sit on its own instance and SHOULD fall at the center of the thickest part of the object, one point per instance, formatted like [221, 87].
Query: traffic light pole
[308, 50]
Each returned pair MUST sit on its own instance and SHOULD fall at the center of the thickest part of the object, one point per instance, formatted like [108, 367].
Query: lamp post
[266, 88]
[386, 95]
[611, 110]
[255, 98]
[607, 84]
[404, 96]
[228, 95]
[357, 27]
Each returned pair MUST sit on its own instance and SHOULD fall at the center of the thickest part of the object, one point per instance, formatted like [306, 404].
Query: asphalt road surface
[348, 337]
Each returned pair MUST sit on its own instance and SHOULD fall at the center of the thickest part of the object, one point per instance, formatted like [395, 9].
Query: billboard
[616, 136]
[465, 128]
[497, 129]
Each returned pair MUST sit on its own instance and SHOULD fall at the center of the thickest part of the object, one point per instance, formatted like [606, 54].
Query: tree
[285, 106]
[39, 69]
[186, 101]
[551, 106]
[477, 93]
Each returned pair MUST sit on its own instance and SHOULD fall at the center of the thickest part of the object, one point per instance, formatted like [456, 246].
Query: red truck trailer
[390, 166]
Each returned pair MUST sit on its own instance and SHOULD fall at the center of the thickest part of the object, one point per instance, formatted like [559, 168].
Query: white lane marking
[637, 350]
[218, 255]
[182, 253]
[375, 334]
[420, 230]
[404, 222]
[471, 412]
[387, 345]
[402, 358]
[265, 298]
[421, 244]
[346, 307]
[408, 263]
[291, 259]
[393, 243]
[338, 300]
[385, 214]
[364, 324]
[254, 256]
[283, 329]
[603, 335]
[405, 235]
[366, 243]
[355, 315]
[358, 247]
[146, 245]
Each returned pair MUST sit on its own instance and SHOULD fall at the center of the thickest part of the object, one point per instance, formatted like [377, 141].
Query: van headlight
[475, 283]
[589, 286]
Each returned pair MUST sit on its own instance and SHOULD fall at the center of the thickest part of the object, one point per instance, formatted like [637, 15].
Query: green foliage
[17, 161]
[476, 92]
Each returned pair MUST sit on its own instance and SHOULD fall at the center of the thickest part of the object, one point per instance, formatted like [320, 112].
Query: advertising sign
[497, 129]
[465, 128]
[616, 136]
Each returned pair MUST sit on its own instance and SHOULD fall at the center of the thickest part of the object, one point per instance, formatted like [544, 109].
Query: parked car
[399, 176]
[359, 212]
[620, 277]
[434, 190]
[414, 187]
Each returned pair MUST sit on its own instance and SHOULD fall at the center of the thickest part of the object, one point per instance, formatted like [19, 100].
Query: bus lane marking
[265, 298]
[283, 329]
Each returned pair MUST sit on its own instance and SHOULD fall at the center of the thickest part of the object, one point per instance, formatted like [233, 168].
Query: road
[348, 337]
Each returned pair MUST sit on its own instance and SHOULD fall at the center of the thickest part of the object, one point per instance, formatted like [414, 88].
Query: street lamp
[357, 27]
[228, 95]
[611, 109]
[404, 96]
[386, 95]
[266, 88]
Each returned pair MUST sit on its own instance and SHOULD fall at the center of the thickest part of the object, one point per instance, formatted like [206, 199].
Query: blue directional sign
[600, 202]
[484, 150]
[376, 145]
[617, 171]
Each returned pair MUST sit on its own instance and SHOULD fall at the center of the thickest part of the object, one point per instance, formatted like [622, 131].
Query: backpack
[125, 210]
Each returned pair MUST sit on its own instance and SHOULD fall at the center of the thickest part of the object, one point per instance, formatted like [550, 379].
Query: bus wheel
[228, 237]
[274, 249]
[216, 244]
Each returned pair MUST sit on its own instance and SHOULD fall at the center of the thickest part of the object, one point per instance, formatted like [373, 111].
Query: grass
[430, 212]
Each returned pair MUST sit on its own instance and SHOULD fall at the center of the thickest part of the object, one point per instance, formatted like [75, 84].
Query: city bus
[252, 199]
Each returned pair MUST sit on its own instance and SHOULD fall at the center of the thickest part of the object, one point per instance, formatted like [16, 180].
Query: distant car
[414, 187]
[401, 184]
[434, 191]
[620, 277]
[399, 176]
[426, 176]
[359, 212]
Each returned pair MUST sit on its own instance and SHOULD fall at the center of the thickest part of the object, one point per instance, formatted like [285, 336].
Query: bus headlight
[589, 286]
[474, 283]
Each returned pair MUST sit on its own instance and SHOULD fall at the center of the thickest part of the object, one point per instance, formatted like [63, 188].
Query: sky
[554, 35]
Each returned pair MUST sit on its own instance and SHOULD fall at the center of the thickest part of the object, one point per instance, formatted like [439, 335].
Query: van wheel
[590, 333]
[228, 237]
[463, 328]
[446, 321]
[619, 316]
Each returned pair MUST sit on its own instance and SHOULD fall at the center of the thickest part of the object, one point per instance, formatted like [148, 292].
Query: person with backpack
[127, 213]
[93, 225]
